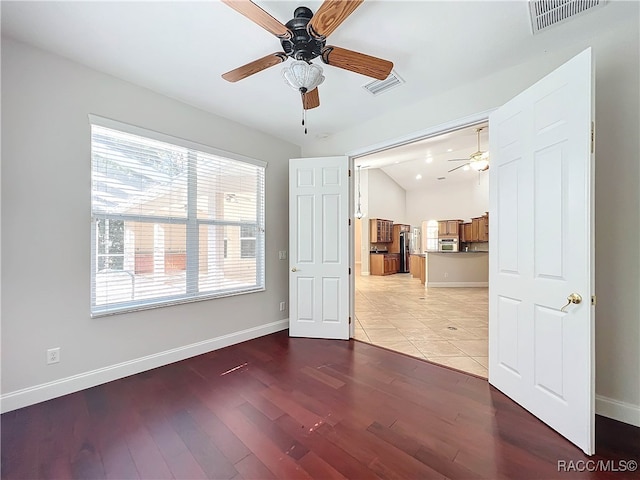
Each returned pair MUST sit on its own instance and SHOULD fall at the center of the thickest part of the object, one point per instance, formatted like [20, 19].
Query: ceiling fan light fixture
[479, 161]
[303, 76]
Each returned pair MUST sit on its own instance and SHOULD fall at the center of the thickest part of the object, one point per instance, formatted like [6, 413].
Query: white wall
[464, 269]
[616, 52]
[46, 237]
[382, 197]
[442, 201]
[386, 199]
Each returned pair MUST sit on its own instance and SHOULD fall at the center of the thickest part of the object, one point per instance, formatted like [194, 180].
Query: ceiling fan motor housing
[301, 45]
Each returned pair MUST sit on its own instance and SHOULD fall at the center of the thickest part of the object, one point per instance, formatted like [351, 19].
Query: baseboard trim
[457, 284]
[617, 410]
[64, 386]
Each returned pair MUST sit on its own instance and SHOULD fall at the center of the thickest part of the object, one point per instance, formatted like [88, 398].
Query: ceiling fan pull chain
[304, 111]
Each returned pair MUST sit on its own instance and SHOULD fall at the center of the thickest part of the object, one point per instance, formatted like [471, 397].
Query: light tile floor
[443, 325]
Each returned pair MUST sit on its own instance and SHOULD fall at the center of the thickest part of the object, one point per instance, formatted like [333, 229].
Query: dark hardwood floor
[278, 407]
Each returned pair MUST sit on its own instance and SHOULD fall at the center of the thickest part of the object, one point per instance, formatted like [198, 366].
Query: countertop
[445, 253]
[379, 253]
[458, 253]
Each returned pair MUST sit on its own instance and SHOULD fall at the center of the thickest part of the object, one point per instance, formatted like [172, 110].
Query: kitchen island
[417, 266]
[451, 269]
[457, 269]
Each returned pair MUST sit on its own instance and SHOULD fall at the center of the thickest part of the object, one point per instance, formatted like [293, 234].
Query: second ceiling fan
[478, 161]
[303, 38]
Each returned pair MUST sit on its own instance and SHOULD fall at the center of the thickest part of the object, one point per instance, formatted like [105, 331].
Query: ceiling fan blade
[458, 160]
[311, 99]
[461, 166]
[330, 15]
[357, 62]
[257, 15]
[254, 67]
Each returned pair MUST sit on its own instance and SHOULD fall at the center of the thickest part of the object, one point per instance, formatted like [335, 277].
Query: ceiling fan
[478, 161]
[303, 38]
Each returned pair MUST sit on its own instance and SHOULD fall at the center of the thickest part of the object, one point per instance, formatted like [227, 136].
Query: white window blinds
[172, 221]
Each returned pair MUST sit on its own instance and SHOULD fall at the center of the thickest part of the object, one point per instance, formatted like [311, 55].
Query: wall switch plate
[282, 255]
[283, 305]
[53, 355]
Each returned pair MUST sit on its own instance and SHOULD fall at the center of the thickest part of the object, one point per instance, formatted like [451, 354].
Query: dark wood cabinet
[449, 228]
[465, 232]
[480, 229]
[418, 267]
[384, 263]
[380, 230]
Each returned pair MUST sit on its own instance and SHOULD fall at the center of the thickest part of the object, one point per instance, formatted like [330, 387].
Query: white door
[541, 224]
[319, 247]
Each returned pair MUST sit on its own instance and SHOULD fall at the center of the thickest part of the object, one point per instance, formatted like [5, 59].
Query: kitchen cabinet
[384, 263]
[465, 232]
[480, 229]
[418, 267]
[380, 230]
[449, 228]
[485, 227]
[475, 229]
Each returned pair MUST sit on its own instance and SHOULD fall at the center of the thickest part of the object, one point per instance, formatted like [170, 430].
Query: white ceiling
[431, 158]
[181, 48]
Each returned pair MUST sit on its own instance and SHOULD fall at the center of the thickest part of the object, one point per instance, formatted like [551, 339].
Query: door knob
[294, 269]
[573, 298]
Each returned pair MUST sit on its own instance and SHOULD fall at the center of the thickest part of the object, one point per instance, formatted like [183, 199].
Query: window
[247, 241]
[173, 221]
[432, 235]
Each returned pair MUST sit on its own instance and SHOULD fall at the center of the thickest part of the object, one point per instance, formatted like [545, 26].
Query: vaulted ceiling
[180, 49]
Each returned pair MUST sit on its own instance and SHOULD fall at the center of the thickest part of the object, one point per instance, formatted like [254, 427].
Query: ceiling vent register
[546, 13]
[377, 87]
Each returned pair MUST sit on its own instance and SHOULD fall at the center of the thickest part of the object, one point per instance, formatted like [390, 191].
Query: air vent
[546, 13]
[378, 86]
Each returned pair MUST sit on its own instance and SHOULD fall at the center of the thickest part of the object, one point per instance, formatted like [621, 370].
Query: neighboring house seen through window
[173, 221]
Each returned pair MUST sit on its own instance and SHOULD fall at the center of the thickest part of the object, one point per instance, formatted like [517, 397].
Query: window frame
[188, 296]
[431, 236]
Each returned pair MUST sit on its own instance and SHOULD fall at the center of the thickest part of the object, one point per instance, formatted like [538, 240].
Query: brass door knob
[294, 269]
[574, 298]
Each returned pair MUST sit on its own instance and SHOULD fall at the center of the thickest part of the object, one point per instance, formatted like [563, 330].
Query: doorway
[447, 325]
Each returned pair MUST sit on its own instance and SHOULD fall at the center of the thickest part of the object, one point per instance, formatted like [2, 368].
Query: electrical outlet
[53, 355]
[283, 305]
[282, 255]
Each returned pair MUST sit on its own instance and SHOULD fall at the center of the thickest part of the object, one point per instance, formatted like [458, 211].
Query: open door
[541, 318]
[319, 247]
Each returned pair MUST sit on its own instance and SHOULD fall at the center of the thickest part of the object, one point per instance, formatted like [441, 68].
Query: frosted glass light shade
[302, 75]
[479, 161]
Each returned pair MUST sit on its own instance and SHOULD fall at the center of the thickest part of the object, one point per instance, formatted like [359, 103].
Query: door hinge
[349, 320]
[349, 172]
[349, 222]
[349, 270]
[593, 300]
[593, 136]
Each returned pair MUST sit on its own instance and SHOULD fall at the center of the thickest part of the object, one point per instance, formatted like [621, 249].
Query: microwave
[447, 244]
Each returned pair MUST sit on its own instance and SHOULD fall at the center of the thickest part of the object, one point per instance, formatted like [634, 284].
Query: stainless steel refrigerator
[405, 250]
